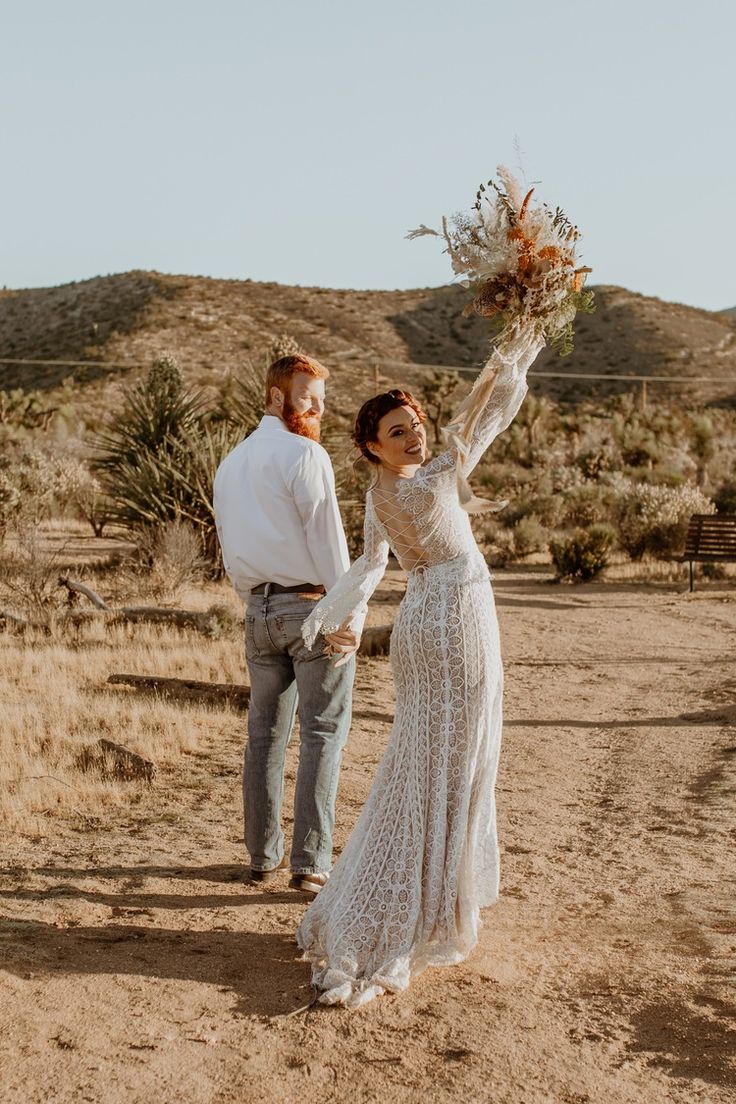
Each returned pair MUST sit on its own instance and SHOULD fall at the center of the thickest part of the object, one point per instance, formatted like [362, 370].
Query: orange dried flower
[525, 204]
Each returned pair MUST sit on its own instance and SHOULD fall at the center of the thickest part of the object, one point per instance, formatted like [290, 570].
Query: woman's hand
[343, 643]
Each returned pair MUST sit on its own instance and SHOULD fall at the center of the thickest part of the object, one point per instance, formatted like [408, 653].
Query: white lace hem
[345, 986]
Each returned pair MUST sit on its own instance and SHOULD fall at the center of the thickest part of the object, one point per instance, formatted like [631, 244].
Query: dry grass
[622, 569]
[57, 705]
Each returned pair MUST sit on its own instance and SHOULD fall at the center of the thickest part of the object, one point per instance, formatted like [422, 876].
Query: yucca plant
[189, 473]
[155, 411]
[241, 397]
[157, 462]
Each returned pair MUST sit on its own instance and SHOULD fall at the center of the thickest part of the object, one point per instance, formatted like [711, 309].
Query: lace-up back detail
[398, 525]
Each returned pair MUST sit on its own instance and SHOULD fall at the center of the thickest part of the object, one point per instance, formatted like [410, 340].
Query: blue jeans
[286, 675]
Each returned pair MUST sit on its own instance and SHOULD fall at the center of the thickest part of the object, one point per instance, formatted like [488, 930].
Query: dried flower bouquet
[520, 260]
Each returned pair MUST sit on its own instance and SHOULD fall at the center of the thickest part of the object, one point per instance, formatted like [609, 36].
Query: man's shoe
[265, 876]
[308, 883]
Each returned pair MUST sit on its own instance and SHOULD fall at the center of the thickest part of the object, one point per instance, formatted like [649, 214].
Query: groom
[283, 546]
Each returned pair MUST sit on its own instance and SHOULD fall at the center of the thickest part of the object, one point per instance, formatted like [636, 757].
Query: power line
[381, 362]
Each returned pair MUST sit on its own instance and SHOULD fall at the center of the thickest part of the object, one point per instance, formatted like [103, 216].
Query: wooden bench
[711, 538]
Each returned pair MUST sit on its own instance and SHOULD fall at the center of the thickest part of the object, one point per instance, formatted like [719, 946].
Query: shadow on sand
[263, 969]
[724, 715]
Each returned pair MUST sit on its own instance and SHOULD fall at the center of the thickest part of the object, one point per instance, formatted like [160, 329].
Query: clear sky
[297, 140]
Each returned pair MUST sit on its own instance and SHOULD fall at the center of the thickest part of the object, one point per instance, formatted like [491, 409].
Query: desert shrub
[725, 497]
[662, 476]
[561, 478]
[351, 483]
[503, 480]
[595, 461]
[29, 578]
[529, 535]
[156, 412]
[639, 447]
[714, 571]
[21, 409]
[10, 495]
[35, 483]
[502, 544]
[586, 504]
[92, 505]
[167, 559]
[283, 345]
[499, 549]
[653, 518]
[546, 508]
[534, 434]
[583, 554]
[135, 450]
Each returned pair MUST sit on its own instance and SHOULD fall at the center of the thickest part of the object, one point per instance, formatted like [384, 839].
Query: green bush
[582, 555]
[653, 518]
[529, 535]
[587, 504]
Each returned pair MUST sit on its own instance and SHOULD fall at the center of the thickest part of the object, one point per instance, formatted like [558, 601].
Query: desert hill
[213, 326]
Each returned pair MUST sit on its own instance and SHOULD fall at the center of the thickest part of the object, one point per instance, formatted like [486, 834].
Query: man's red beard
[306, 425]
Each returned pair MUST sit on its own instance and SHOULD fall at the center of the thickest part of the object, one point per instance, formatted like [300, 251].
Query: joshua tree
[436, 394]
[702, 439]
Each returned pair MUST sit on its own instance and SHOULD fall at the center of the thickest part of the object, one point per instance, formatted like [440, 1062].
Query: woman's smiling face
[401, 439]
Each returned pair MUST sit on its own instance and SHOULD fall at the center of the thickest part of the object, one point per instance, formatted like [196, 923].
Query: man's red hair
[281, 372]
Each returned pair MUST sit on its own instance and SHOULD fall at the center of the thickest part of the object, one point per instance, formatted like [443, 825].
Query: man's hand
[344, 643]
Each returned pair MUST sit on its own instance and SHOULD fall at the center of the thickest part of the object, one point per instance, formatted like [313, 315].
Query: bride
[423, 856]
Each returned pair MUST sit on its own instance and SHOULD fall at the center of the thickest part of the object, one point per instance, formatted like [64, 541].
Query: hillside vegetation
[214, 326]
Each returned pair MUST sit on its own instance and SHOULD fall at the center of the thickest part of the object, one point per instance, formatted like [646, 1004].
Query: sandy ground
[139, 965]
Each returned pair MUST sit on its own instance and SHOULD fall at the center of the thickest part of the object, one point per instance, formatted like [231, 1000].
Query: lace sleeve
[497, 395]
[489, 409]
[350, 594]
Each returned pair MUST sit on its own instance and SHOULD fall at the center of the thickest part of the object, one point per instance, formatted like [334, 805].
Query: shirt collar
[272, 421]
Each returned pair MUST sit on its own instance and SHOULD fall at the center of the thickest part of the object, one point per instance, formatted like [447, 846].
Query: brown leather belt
[277, 588]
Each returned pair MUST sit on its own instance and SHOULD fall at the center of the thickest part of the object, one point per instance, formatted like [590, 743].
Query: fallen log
[222, 693]
[375, 641]
[75, 587]
[13, 623]
[127, 764]
[204, 621]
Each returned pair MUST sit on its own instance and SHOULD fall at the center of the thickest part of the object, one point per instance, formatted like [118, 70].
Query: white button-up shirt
[276, 511]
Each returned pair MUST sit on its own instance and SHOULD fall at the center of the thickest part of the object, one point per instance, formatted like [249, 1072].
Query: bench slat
[711, 538]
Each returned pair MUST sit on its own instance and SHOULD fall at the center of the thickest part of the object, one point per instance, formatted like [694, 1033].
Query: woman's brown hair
[371, 412]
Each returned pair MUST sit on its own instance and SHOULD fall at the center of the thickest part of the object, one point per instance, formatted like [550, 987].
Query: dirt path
[139, 967]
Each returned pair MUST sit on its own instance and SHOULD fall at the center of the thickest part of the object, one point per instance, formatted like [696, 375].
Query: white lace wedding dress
[423, 857]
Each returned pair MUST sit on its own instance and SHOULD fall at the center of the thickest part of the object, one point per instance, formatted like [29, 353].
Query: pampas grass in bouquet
[519, 259]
